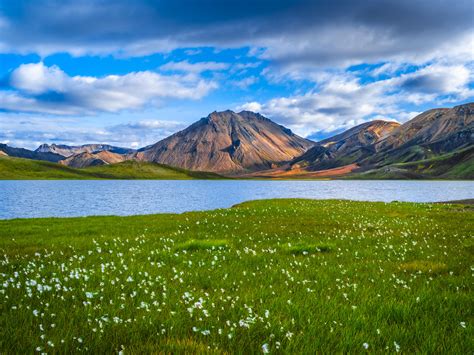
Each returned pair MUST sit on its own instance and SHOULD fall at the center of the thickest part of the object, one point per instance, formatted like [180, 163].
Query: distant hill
[349, 147]
[29, 154]
[228, 142]
[83, 160]
[67, 151]
[24, 169]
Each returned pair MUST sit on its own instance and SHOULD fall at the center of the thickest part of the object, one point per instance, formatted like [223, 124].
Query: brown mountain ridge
[85, 159]
[228, 143]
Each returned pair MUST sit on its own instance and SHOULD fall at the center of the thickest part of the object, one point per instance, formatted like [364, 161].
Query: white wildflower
[397, 346]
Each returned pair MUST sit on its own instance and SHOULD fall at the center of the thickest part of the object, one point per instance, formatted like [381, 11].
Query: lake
[70, 198]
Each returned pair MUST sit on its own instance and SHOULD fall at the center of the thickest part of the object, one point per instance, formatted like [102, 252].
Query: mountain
[348, 147]
[436, 143]
[29, 154]
[429, 134]
[67, 151]
[85, 159]
[228, 142]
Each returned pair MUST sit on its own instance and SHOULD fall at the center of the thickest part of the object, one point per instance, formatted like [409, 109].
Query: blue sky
[131, 73]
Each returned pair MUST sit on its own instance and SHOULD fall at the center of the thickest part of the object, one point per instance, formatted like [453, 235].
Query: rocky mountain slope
[29, 154]
[67, 151]
[429, 134]
[228, 142]
[348, 147]
[85, 159]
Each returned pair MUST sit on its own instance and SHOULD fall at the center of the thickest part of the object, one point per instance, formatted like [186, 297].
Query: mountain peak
[466, 109]
[229, 114]
[356, 143]
[228, 142]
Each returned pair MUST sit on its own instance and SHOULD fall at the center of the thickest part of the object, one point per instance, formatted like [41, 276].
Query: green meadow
[26, 169]
[272, 276]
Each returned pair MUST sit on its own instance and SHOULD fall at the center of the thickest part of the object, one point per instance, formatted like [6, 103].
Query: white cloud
[343, 101]
[250, 106]
[244, 83]
[38, 78]
[197, 68]
[437, 79]
[44, 89]
[24, 130]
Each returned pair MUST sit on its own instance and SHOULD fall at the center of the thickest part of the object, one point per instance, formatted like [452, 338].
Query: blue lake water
[68, 198]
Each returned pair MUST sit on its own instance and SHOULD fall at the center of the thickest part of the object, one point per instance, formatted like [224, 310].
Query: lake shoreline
[76, 198]
[465, 202]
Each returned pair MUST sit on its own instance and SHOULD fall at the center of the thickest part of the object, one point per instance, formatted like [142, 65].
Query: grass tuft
[423, 266]
[306, 249]
[203, 244]
[174, 346]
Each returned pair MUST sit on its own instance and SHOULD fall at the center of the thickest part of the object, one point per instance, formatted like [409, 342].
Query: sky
[130, 73]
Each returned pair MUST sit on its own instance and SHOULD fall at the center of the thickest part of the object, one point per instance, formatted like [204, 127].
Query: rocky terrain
[85, 159]
[6, 150]
[228, 142]
[429, 134]
[67, 151]
[349, 147]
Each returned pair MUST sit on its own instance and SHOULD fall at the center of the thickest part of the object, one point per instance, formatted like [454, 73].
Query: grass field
[278, 276]
[26, 169]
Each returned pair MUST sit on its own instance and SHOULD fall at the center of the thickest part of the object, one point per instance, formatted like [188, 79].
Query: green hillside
[25, 169]
[455, 165]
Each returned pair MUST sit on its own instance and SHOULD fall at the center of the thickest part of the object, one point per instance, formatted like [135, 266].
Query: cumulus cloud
[438, 79]
[42, 89]
[38, 78]
[343, 100]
